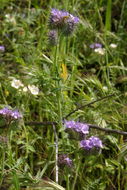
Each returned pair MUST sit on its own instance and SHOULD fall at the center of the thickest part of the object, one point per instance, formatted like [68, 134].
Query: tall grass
[108, 15]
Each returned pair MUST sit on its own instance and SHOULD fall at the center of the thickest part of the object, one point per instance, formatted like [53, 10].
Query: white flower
[16, 83]
[10, 18]
[113, 45]
[25, 89]
[105, 88]
[33, 89]
[100, 51]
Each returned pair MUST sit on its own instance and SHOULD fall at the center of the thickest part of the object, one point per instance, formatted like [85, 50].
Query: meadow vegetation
[63, 95]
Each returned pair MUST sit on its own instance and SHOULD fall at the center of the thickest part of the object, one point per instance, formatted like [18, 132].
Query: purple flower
[70, 25]
[95, 46]
[5, 112]
[91, 143]
[96, 142]
[63, 20]
[3, 139]
[52, 37]
[2, 48]
[81, 128]
[63, 159]
[57, 18]
[86, 144]
[10, 114]
[16, 115]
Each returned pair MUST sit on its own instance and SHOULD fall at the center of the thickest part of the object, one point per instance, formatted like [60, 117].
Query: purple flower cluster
[91, 143]
[81, 128]
[3, 139]
[2, 48]
[57, 18]
[10, 114]
[63, 159]
[63, 21]
[95, 46]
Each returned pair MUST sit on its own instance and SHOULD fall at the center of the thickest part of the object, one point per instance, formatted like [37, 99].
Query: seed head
[53, 37]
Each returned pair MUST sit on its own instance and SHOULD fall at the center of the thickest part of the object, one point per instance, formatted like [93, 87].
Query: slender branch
[107, 130]
[90, 125]
[100, 99]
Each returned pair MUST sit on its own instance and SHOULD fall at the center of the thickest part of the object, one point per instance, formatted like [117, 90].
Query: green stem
[4, 99]
[74, 69]
[58, 85]
[76, 175]
[119, 174]
[2, 165]
[27, 141]
[10, 157]
[67, 179]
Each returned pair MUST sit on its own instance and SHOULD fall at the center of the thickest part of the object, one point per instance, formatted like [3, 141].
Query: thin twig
[107, 130]
[56, 155]
[105, 97]
[90, 125]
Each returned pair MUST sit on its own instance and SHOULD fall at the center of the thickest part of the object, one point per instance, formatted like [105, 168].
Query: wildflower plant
[33, 89]
[92, 142]
[95, 46]
[2, 48]
[98, 48]
[76, 130]
[15, 83]
[63, 21]
[60, 22]
[64, 160]
[10, 115]
[113, 46]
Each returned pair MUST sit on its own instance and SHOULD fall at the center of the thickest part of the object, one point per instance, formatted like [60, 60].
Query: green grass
[68, 76]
